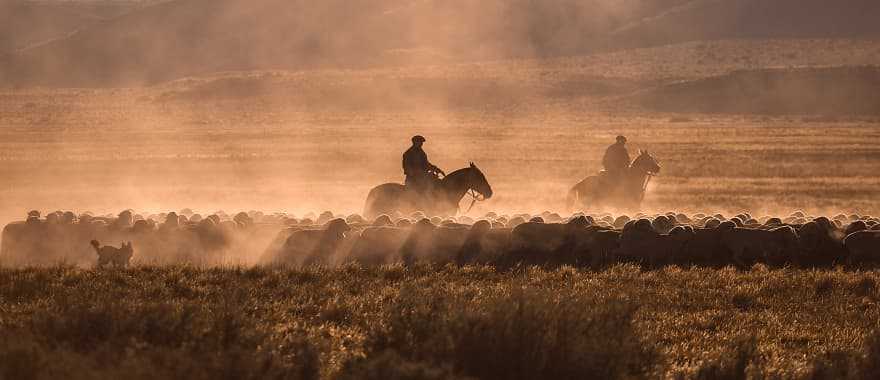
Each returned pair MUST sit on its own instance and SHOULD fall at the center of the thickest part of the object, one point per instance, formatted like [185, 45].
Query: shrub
[389, 365]
[531, 333]
[733, 365]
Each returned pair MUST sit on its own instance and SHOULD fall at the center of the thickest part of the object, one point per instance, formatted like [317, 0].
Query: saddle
[607, 180]
[424, 186]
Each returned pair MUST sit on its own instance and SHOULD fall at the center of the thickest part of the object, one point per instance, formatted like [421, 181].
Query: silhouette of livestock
[863, 247]
[581, 240]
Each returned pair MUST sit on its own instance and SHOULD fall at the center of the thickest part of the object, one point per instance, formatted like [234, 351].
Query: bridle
[475, 197]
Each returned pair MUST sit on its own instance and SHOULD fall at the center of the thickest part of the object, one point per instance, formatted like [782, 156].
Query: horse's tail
[572, 198]
[578, 193]
[370, 204]
[382, 199]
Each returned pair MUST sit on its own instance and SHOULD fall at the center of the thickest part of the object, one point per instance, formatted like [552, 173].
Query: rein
[474, 199]
[475, 196]
[648, 177]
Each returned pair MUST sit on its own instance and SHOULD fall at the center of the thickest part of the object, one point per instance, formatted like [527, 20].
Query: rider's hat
[418, 138]
[621, 138]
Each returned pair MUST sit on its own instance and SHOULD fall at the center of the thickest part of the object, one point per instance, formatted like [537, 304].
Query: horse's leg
[585, 190]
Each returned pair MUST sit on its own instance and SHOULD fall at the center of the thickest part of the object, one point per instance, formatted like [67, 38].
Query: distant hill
[24, 23]
[722, 19]
[800, 91]
[182, 38]
[593, 81]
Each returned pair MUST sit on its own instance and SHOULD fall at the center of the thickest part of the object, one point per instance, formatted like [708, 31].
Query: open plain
[284, 110]
[319, 140]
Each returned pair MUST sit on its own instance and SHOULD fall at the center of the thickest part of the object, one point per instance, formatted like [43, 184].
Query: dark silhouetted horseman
[421, 175]
[616, 159]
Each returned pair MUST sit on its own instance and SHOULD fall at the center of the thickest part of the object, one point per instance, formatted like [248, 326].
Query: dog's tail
[96, 245]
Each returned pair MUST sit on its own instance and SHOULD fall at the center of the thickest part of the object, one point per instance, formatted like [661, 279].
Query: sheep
[580, 221]
[593, 246]
[473, 244]
[123, 221]
[243, 220]
[638, 242]
[553, 218]
[356, 219]
[773, 222]
[662, 224]
[748, 246]
[418, 242]
[863, 246]
[538, 236]
[712, 223]
[620, 221]
[378, 245]
[382, 220]
[682, 218]
[515, 221]
[142, 227]
[446, 243]
[820, 243]
[555, 244]
[172, 222]
[856, 226]
[704, 248]
[311, 247]
[325, 217]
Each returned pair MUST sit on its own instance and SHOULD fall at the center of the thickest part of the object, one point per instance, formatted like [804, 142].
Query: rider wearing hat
[616, 158]
[420, 173]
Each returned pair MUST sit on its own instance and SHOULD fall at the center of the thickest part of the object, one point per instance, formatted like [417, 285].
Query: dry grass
[437, 323]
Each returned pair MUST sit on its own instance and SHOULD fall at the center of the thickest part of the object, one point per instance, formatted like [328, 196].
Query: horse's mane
[458, 172]
[641, 156]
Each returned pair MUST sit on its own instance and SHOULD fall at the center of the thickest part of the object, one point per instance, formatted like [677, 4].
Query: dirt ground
[106, 150]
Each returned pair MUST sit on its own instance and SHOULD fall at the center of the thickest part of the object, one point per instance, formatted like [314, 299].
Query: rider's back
[415, 161]
[616, 157]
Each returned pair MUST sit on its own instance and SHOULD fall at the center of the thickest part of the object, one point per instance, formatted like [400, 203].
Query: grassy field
[432, 323]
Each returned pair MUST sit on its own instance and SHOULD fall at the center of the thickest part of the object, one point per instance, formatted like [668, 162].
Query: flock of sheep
[580, 240]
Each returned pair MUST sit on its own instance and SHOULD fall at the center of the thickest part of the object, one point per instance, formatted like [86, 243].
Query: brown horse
[443, 200]
[598, 192]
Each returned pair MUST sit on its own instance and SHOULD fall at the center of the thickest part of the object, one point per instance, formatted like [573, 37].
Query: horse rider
[421, 175]
[616, 159]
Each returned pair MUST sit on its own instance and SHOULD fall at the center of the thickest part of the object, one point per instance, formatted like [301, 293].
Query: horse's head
[479, 183]
[646, 163]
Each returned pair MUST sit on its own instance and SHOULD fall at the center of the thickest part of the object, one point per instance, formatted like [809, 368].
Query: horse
[596, 192]
[442, 200]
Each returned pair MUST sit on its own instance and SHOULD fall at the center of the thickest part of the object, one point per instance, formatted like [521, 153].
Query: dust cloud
[301, 106]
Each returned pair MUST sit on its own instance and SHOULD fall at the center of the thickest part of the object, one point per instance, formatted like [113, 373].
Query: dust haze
[302, 106]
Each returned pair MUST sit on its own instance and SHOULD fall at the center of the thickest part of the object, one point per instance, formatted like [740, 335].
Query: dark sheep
[620, 221]
[382, 220]
[314, 247]
[856, 226]
[863, 247]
